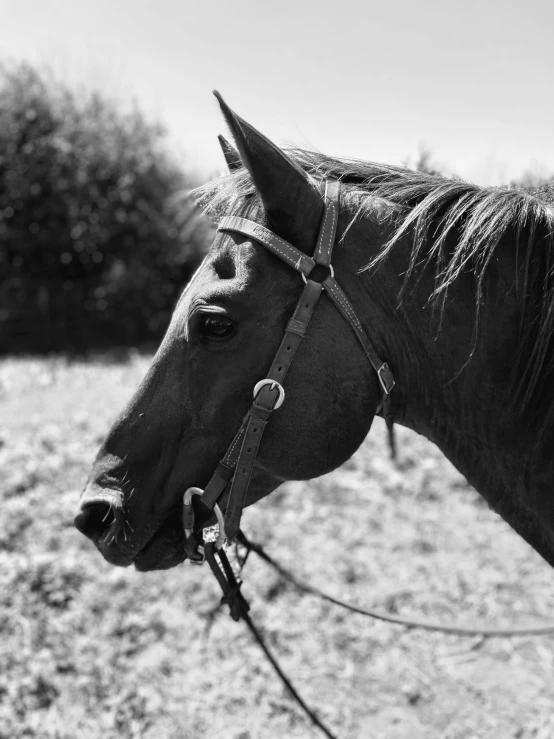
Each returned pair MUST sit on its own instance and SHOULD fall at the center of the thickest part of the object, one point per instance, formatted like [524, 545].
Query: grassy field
[90, 651]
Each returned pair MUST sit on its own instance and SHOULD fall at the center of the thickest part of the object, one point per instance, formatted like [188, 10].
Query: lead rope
[423, 625]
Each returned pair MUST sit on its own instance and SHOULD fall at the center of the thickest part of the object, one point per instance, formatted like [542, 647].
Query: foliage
[532, 178]
[95, 242]
[424, 162]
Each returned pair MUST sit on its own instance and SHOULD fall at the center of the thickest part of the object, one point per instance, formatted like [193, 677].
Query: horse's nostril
[95, 519]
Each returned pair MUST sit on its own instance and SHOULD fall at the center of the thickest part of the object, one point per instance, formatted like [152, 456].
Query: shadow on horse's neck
[462, 406]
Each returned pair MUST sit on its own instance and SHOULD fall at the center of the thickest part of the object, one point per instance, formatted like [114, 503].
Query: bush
[95, 241]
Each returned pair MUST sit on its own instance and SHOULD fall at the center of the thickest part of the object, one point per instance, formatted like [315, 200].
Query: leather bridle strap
[237, 465]
[264, 404]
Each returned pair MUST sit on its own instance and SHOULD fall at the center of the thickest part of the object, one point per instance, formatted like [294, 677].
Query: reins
[239, 609]
[409, 623]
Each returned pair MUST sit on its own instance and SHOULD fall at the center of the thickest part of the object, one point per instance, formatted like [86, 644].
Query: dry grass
[90, 651]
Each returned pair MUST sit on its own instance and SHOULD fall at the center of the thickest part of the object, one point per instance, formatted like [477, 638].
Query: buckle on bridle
[272, 385]
[386, 378]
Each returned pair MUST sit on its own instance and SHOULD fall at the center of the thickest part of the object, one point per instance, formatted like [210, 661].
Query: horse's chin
[165, 549]
[168, 558]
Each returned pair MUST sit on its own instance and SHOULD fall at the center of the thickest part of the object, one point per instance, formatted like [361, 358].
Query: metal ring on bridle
[221, 535]
[272, 385]
[331, 271]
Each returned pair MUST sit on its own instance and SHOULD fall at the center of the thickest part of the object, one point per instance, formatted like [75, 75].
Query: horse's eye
[216, 328]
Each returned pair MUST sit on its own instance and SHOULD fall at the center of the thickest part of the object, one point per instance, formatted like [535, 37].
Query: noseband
[236, 467]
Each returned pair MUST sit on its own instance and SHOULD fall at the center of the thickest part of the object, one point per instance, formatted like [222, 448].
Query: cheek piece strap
[236, 467]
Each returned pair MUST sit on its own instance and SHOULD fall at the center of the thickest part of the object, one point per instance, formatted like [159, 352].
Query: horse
[453, 283]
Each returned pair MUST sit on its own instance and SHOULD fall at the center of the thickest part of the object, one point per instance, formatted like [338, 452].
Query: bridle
[236, 467]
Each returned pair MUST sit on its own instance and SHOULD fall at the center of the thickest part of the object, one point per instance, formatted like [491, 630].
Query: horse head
[471, 344]
[224, 332]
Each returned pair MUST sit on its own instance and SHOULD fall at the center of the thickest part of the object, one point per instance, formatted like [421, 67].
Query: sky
[470, 81]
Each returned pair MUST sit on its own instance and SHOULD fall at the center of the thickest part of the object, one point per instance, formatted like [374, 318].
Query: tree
[95, 245]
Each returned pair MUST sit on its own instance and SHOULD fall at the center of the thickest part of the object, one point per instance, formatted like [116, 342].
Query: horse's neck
[462, 406]
[504, 466]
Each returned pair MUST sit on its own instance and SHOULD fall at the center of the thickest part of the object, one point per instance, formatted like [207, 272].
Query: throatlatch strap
[337, 295]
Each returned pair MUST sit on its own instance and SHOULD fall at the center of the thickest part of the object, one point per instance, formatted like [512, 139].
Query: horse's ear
[232, 157]
[291, 201]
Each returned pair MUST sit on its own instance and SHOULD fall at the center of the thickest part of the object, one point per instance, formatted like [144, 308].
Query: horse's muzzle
[101, 519]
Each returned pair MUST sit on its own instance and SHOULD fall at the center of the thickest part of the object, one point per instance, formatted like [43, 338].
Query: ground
[88, 650]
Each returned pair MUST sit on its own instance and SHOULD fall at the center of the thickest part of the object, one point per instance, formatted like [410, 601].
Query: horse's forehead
[224, 272]
[203, 281]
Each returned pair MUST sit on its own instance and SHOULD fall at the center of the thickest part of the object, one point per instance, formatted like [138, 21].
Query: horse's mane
[431, 208]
